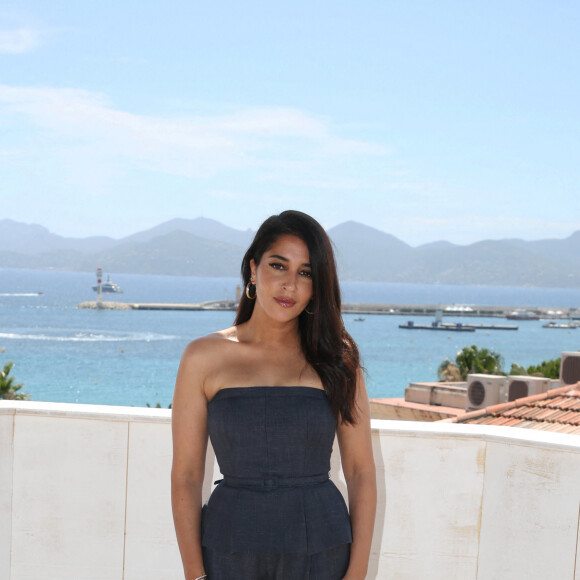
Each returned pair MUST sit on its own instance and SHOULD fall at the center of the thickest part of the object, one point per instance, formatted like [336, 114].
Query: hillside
[203, 247]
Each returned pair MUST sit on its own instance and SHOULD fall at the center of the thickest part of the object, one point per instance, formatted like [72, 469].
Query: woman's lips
[285, 302]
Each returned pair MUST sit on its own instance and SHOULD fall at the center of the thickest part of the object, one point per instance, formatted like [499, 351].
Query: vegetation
[8, 388]
[472, 359]
[517, 369]
[547, 368]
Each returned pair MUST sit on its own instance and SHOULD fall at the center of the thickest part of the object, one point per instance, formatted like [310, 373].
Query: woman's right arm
[189, 426]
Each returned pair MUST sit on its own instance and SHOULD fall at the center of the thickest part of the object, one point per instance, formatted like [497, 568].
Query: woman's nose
[289, 280]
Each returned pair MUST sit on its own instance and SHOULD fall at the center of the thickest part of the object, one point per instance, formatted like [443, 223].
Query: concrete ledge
[85, 494]
[76, 410]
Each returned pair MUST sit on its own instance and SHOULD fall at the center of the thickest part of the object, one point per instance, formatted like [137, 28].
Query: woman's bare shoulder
[212, 343]
[204, 357]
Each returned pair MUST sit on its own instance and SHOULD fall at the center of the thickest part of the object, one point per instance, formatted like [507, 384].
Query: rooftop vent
[485, 390]
[524, 386]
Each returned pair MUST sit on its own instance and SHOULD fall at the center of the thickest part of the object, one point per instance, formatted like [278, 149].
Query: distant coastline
[205, 248]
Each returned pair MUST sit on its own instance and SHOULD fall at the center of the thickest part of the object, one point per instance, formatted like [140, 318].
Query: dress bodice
[273, 446]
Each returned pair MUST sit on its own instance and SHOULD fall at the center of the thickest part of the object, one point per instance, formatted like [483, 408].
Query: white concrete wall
[84, 494]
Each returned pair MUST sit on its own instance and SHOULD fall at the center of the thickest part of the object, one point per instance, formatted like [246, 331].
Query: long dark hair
[326, 344]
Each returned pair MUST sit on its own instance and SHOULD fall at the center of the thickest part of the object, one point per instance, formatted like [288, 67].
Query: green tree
[8, 388]
[547, 368]
[157, 406]
[470, 359]
[517, 369]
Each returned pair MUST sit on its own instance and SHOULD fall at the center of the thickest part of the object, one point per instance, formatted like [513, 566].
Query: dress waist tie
[273, 482]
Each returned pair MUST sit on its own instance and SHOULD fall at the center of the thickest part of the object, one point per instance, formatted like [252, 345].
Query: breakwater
[352, 308]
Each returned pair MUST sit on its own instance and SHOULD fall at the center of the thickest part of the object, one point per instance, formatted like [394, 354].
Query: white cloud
[19, 41]
[265, 139]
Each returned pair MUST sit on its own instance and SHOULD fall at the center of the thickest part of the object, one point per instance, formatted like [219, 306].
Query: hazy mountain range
[204, 247]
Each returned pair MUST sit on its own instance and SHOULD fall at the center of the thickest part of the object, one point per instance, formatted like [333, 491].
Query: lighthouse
[99, 287]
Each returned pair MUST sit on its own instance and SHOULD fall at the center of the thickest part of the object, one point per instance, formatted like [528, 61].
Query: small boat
[522, 315]
[568, 325]
[109, 287]
[359, 319]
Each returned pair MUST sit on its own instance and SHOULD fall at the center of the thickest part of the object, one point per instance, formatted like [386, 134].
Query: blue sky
[428, 120]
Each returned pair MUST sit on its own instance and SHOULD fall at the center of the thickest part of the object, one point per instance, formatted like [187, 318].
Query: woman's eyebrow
[307, 264]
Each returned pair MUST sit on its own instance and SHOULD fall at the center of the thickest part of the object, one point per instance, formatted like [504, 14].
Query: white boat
[523, 315]
[109, 287]
[568, 325]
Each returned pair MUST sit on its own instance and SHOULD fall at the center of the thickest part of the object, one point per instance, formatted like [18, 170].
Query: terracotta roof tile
[568, 429]
[500, 407]
[568, 417]
[556, 427]
[563, 402]
[549, 416]
[516, 411]
[534, 412]
[512, 422]
[556, 410]
[545, 415]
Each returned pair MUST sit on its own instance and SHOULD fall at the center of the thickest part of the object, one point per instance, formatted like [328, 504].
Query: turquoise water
[65, 354]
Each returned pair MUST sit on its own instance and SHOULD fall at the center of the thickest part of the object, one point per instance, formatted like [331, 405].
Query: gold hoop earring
[249, 296]
[306, 309]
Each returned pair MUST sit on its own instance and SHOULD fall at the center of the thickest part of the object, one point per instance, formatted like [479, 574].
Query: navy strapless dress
[273, 446]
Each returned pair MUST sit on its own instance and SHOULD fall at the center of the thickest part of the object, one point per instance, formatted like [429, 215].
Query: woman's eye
[306, 273]
[276, 265]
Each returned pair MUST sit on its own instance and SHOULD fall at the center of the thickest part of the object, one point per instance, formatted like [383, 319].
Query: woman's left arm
[358, 467]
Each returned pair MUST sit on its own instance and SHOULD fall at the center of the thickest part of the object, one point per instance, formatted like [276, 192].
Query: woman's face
[283, 278]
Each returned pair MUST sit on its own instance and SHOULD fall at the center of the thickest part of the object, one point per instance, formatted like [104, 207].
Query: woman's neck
[263, 330]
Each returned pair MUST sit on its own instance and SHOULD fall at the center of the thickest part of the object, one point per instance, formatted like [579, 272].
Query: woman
[272, 391]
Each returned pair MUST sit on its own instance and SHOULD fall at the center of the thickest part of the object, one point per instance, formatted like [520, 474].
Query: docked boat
[109, 287]
[522, 315]
[445, 326]
[567, 325]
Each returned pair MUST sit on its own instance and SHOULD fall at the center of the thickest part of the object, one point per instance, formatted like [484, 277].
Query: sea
[126, 357]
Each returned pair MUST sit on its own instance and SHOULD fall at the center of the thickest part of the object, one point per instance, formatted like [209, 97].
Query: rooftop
[555, 410]
[425, 401]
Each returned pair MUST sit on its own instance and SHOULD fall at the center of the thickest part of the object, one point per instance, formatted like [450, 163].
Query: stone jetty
[353, 308]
